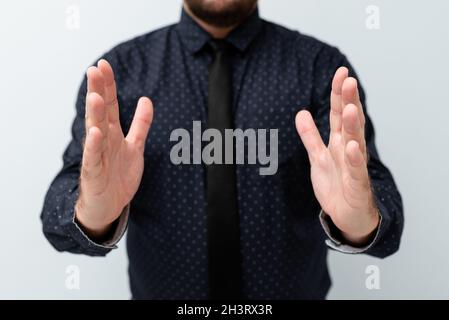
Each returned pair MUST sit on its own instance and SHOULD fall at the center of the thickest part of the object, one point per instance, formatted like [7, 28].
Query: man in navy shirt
[202, 230]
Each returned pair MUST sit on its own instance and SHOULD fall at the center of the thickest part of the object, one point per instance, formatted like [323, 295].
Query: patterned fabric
[276, 72]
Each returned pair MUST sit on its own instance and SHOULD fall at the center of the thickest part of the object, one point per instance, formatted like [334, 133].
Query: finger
[95, 81]
[350, 94]
[110, 94]
[96, 113]
[309, 134]
[336, 100]
[351, 126]
[92, 155]
[356, 165]
[141, 123]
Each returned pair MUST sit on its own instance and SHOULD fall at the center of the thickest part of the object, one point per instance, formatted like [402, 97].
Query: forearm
[385, 238]
[58, 215]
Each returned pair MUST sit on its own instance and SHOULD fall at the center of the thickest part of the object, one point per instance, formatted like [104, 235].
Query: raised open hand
[112, 164]
[339, 171]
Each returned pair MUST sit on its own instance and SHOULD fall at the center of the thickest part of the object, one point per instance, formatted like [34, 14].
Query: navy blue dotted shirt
[276, 72]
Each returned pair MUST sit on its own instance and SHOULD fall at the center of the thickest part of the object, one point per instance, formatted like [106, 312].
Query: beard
[221, 13]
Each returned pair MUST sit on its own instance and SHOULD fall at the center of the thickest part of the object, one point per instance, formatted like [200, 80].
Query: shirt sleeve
[113, 237]
[58, 213]
[335, 241]
[386, 240]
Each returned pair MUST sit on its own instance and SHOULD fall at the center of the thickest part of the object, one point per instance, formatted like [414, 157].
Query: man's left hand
[339, 171]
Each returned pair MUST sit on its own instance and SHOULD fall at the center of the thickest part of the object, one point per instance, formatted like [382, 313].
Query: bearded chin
[229, 14]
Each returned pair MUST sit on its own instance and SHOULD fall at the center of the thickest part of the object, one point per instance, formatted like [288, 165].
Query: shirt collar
[194, 37]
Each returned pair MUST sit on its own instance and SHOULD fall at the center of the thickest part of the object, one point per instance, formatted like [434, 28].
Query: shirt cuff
[118, 232]
[334, 241]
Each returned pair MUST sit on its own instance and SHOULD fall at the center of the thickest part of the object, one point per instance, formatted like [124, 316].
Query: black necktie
[223, 220]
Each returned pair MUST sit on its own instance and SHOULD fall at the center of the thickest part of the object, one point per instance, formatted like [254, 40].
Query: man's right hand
[112, 163]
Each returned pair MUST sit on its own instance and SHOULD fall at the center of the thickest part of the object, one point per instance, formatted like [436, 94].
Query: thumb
[141, 123]
[309, 134]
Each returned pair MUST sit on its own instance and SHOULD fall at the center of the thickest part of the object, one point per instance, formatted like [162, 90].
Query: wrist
[369, 230]
[93, 229]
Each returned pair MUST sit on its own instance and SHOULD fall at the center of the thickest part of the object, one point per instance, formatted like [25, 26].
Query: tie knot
[220, 46]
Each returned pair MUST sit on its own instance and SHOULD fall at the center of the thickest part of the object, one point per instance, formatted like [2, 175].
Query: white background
[403, 66]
